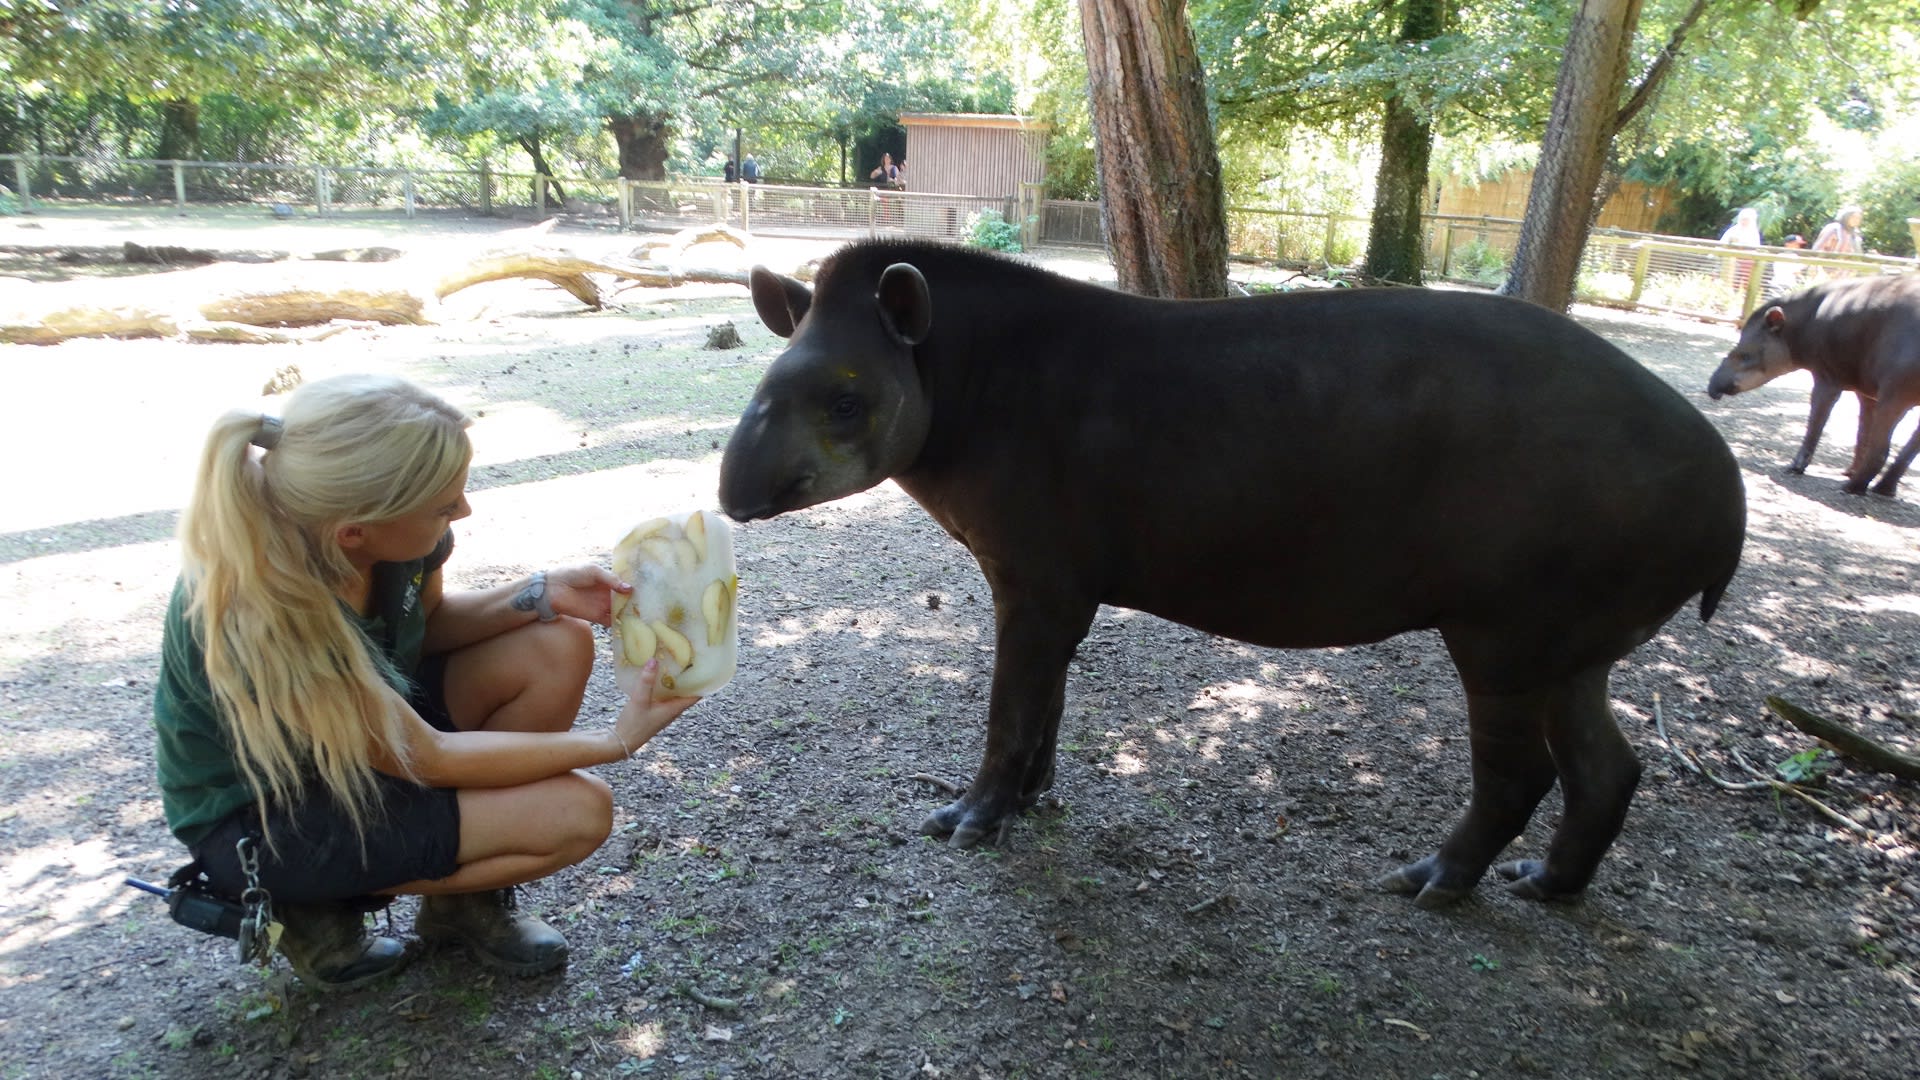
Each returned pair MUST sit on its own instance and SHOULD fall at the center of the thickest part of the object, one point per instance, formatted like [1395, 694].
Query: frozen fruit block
[682, 607]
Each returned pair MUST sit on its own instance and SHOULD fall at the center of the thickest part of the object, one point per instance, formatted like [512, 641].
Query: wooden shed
[973, 153]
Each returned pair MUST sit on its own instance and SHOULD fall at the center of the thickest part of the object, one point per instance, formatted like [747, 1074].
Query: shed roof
[985, 120]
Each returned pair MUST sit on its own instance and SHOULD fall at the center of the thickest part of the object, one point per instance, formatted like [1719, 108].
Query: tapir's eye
[845, 407]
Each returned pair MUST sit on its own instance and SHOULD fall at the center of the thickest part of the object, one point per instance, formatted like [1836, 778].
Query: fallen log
[212, 303]
[1867, 751]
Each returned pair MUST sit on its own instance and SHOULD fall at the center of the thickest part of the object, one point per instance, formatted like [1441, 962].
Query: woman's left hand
[585, 592]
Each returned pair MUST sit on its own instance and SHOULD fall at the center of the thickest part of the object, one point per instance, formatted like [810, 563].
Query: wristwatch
[533, 597]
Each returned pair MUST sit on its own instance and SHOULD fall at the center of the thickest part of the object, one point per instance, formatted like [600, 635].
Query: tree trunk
[531, 144]
[1160, 188]
[1573, 154]
[1394, 248]
[179, 133]
[642, 141]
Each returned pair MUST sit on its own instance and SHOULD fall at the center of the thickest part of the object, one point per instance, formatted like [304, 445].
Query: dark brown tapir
[1858, 334]
[1314, 469]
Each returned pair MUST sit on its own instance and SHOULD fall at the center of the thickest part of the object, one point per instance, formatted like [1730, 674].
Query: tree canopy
[1788, 105]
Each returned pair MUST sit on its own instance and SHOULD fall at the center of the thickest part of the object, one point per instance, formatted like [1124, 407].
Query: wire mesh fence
[1642, 270]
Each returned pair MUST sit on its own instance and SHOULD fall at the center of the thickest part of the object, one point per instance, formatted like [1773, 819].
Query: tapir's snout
[762, 474]
[1722, 382]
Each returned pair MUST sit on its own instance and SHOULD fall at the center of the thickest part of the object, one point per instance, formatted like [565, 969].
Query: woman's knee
[590, 802]
[563, 650]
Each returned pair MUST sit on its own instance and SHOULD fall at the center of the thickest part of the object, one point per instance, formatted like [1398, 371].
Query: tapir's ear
[781, 301]
[1775, 319]
[904, 303]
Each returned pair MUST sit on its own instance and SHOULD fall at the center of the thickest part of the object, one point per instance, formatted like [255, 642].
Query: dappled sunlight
[1243, 699]
[1904, 603]
[644, 1040]
[63, 887]
[661, 765]
[943, 673]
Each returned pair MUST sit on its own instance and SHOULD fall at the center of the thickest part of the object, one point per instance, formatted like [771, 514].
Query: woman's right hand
[644, 715]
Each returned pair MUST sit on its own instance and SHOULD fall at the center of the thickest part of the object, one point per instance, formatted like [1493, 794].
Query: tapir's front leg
[1034, 641]
[1825, 393]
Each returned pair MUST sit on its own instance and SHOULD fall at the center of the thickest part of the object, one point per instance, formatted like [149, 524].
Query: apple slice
[638, 640]
[674, 642]
[697, 535]
[713, 604]
[686, 556]
[650, 527]
[661, 550]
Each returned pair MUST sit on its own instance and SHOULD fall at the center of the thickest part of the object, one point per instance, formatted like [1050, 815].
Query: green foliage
[1806, 767]
[1794, 190]
[1889, 197]
[1060, 99]
[987, 229]
[9, 203]
[1478, 262]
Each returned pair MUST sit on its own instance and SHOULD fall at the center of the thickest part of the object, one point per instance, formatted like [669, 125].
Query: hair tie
[269, 434]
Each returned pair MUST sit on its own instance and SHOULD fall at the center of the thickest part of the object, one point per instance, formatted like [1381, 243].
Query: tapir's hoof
[1854, 487]
[966, 826]
[1528, 880]
[1885, 489]
[1430, 886]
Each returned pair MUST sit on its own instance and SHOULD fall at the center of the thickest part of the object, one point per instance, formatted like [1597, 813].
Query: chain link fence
[1642, 270]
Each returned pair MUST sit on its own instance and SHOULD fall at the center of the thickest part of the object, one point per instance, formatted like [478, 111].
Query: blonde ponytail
[293, 677]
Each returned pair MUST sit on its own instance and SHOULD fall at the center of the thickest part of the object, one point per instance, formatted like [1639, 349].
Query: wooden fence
[1696, 277]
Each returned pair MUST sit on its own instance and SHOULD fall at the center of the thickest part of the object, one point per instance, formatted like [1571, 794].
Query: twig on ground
[725, 1004]
[1660, 724]
[1225, 897]
[943, 784]
[1799, 793]
[1686, 757]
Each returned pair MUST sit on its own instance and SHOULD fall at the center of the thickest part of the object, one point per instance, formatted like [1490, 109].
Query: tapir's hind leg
[1512, 771]
[1598, 773]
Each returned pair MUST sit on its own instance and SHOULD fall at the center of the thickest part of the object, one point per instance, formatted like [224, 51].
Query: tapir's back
[1338, 467]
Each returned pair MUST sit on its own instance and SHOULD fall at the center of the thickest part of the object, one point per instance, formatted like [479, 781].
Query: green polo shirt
[200, 780]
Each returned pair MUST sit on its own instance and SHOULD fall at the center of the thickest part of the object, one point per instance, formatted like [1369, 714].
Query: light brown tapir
[1858, 334]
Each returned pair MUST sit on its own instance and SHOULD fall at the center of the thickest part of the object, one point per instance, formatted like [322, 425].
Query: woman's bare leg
[510, 836]
[529, 679]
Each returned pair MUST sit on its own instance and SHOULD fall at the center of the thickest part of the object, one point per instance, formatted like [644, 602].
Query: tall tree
[1162, 201]
[1587, 114]
[1394, 249]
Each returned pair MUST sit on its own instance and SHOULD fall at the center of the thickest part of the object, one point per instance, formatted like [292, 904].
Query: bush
[1890, 196]
[1478, 262]
[987, 229]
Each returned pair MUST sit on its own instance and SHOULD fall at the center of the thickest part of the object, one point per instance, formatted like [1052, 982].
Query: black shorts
[429, 697]
[317, 855]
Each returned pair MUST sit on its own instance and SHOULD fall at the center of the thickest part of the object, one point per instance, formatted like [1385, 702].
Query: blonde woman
[368, 734]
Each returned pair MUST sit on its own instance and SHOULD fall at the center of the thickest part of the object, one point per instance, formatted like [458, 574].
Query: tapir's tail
[1710, 598]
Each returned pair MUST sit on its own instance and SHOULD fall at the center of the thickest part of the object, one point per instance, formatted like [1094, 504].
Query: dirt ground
[1196, 898]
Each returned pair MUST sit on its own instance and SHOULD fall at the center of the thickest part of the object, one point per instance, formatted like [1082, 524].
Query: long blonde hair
[292, 676]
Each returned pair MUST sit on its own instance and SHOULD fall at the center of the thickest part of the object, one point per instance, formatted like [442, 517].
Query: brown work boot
[330, 948]
[485, 922]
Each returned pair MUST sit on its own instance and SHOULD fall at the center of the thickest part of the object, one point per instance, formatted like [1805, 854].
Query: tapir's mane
[863, 261]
